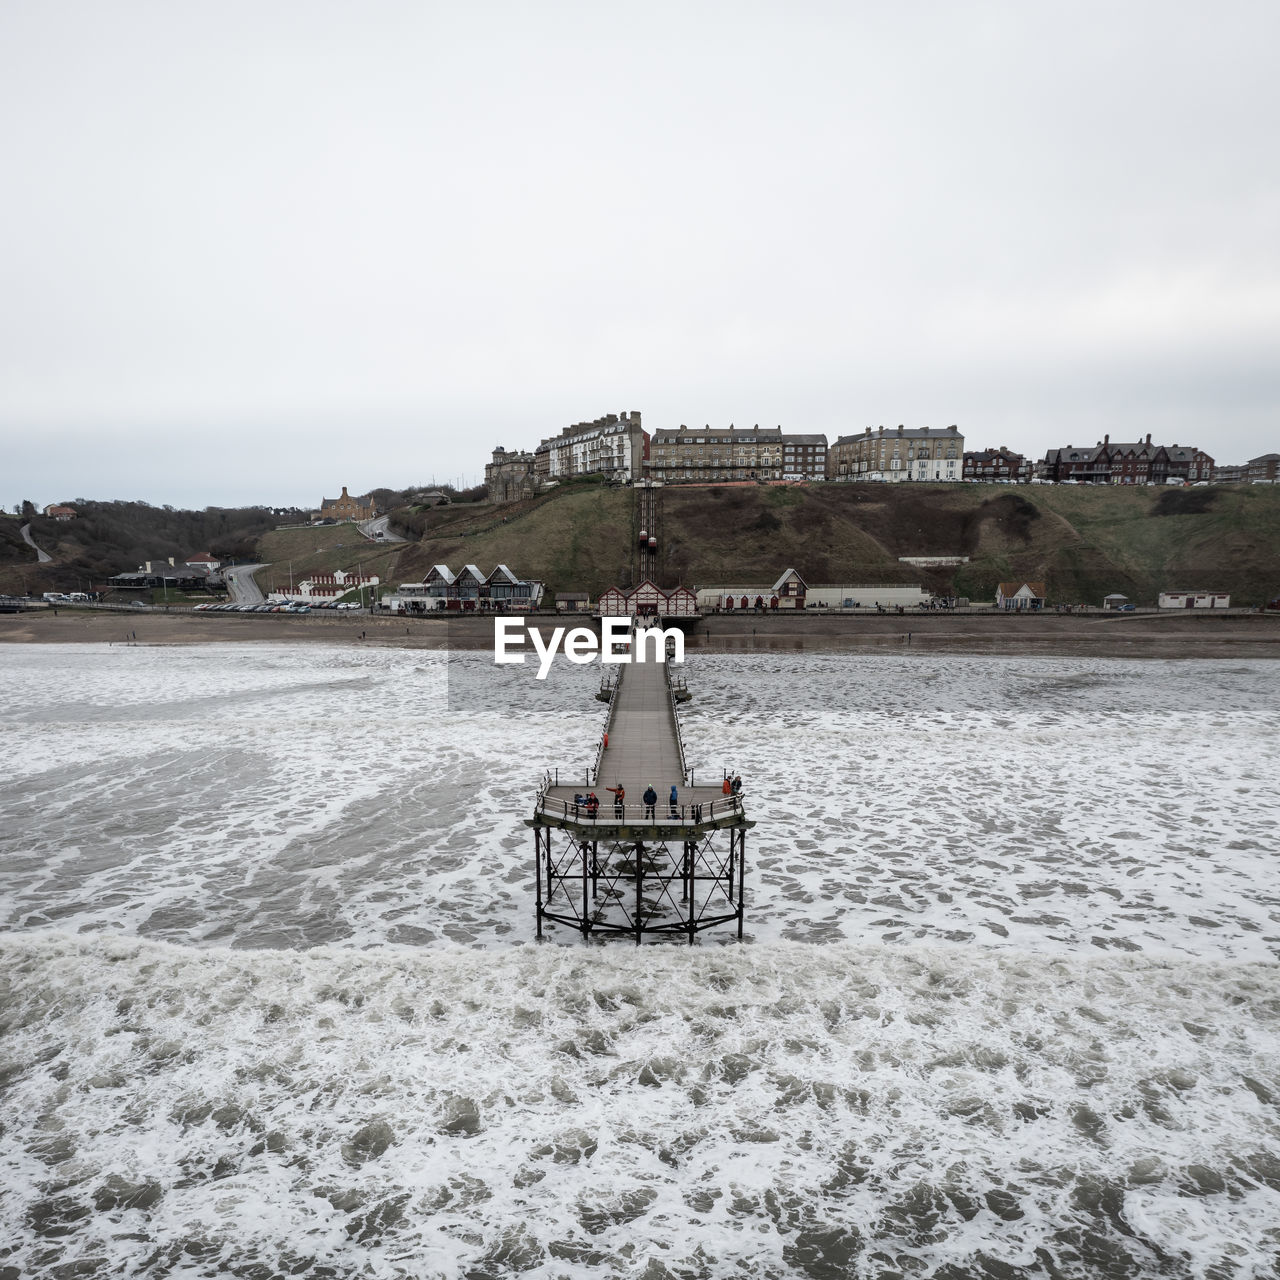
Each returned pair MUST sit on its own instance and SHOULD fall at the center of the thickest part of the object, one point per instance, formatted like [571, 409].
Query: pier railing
[675, 717]
[609, 813]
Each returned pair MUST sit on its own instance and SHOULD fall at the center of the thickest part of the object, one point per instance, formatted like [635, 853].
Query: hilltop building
[909, 453]
[1122, 463]
[60, 512]
[615, 446]
[1261, 470]
[347, 508]
[714, 455]
[996, 465]
[509, 476]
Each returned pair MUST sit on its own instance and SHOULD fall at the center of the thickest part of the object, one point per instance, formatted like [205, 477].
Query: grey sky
[257, 251]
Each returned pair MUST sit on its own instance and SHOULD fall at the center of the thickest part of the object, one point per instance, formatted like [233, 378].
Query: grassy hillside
[302, 552]
[575, 539]
[1084, 542]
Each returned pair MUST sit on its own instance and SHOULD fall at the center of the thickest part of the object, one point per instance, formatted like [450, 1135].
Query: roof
[719, 435]
[789, 438]
[1008, 589]
[790, 573]
[202, 557]
[573, 595]
[501, 572]
[903, 433]
[473, 571]
[440, 571]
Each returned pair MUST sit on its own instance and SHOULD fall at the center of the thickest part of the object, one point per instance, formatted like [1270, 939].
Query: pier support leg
[537, 859]
[584, 850]
[639, 886]
[742, 875]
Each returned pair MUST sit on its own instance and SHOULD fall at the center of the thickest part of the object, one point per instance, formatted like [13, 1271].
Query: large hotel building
[716, 454]
[909, 453]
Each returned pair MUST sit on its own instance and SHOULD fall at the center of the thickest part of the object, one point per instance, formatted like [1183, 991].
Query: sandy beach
[1175, 635]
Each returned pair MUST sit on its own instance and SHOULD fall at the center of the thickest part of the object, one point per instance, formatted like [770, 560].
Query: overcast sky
[256, 251]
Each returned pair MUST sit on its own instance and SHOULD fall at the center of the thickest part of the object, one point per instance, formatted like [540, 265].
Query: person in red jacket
[619, 795]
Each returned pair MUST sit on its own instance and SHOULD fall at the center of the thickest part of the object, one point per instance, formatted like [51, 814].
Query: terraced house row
[617, 447]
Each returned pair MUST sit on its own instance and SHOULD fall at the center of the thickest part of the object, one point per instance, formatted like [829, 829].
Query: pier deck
[631, 868]
[644, 750]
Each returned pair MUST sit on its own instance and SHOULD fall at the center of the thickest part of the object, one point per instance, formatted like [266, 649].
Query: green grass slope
[1083, 542]
[322, 549]
[575, 540]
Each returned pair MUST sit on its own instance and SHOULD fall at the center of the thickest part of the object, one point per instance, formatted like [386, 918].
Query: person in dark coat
[736, 786]
[650, 799]
[593, 806]
[675, 801]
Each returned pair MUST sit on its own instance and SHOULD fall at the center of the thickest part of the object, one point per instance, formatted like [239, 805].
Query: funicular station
[607, 863]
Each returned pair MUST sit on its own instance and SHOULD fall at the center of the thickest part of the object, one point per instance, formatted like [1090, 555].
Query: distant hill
[113, 537]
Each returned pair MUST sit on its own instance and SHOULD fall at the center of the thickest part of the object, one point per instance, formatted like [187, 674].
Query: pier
[627, 868]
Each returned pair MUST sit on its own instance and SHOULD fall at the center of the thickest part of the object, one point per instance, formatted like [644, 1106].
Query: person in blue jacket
[675, 801]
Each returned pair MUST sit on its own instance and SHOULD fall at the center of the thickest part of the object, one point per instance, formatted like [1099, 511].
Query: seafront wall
[1163, 635]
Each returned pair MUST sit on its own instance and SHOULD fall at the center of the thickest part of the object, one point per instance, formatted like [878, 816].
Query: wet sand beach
[1234, 635]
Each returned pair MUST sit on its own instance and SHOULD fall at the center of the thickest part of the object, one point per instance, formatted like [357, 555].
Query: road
[240, 583]
[42, 557]
[379, 529]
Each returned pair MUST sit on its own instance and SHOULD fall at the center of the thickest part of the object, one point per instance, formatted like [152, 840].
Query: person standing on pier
[650, 799]
[726, 786]
[619, 795]
[736, 785]
[675, 801]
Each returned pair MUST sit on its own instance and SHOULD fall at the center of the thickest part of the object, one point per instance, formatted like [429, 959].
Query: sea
[271, 1003]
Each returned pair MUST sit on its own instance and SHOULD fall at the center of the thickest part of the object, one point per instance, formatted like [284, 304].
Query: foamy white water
[264, 1007]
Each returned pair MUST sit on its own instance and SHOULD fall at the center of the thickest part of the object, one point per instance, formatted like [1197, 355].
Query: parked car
[1125, 608]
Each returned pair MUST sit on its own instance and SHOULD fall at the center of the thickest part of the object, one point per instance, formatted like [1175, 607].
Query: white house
[1194, 600]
